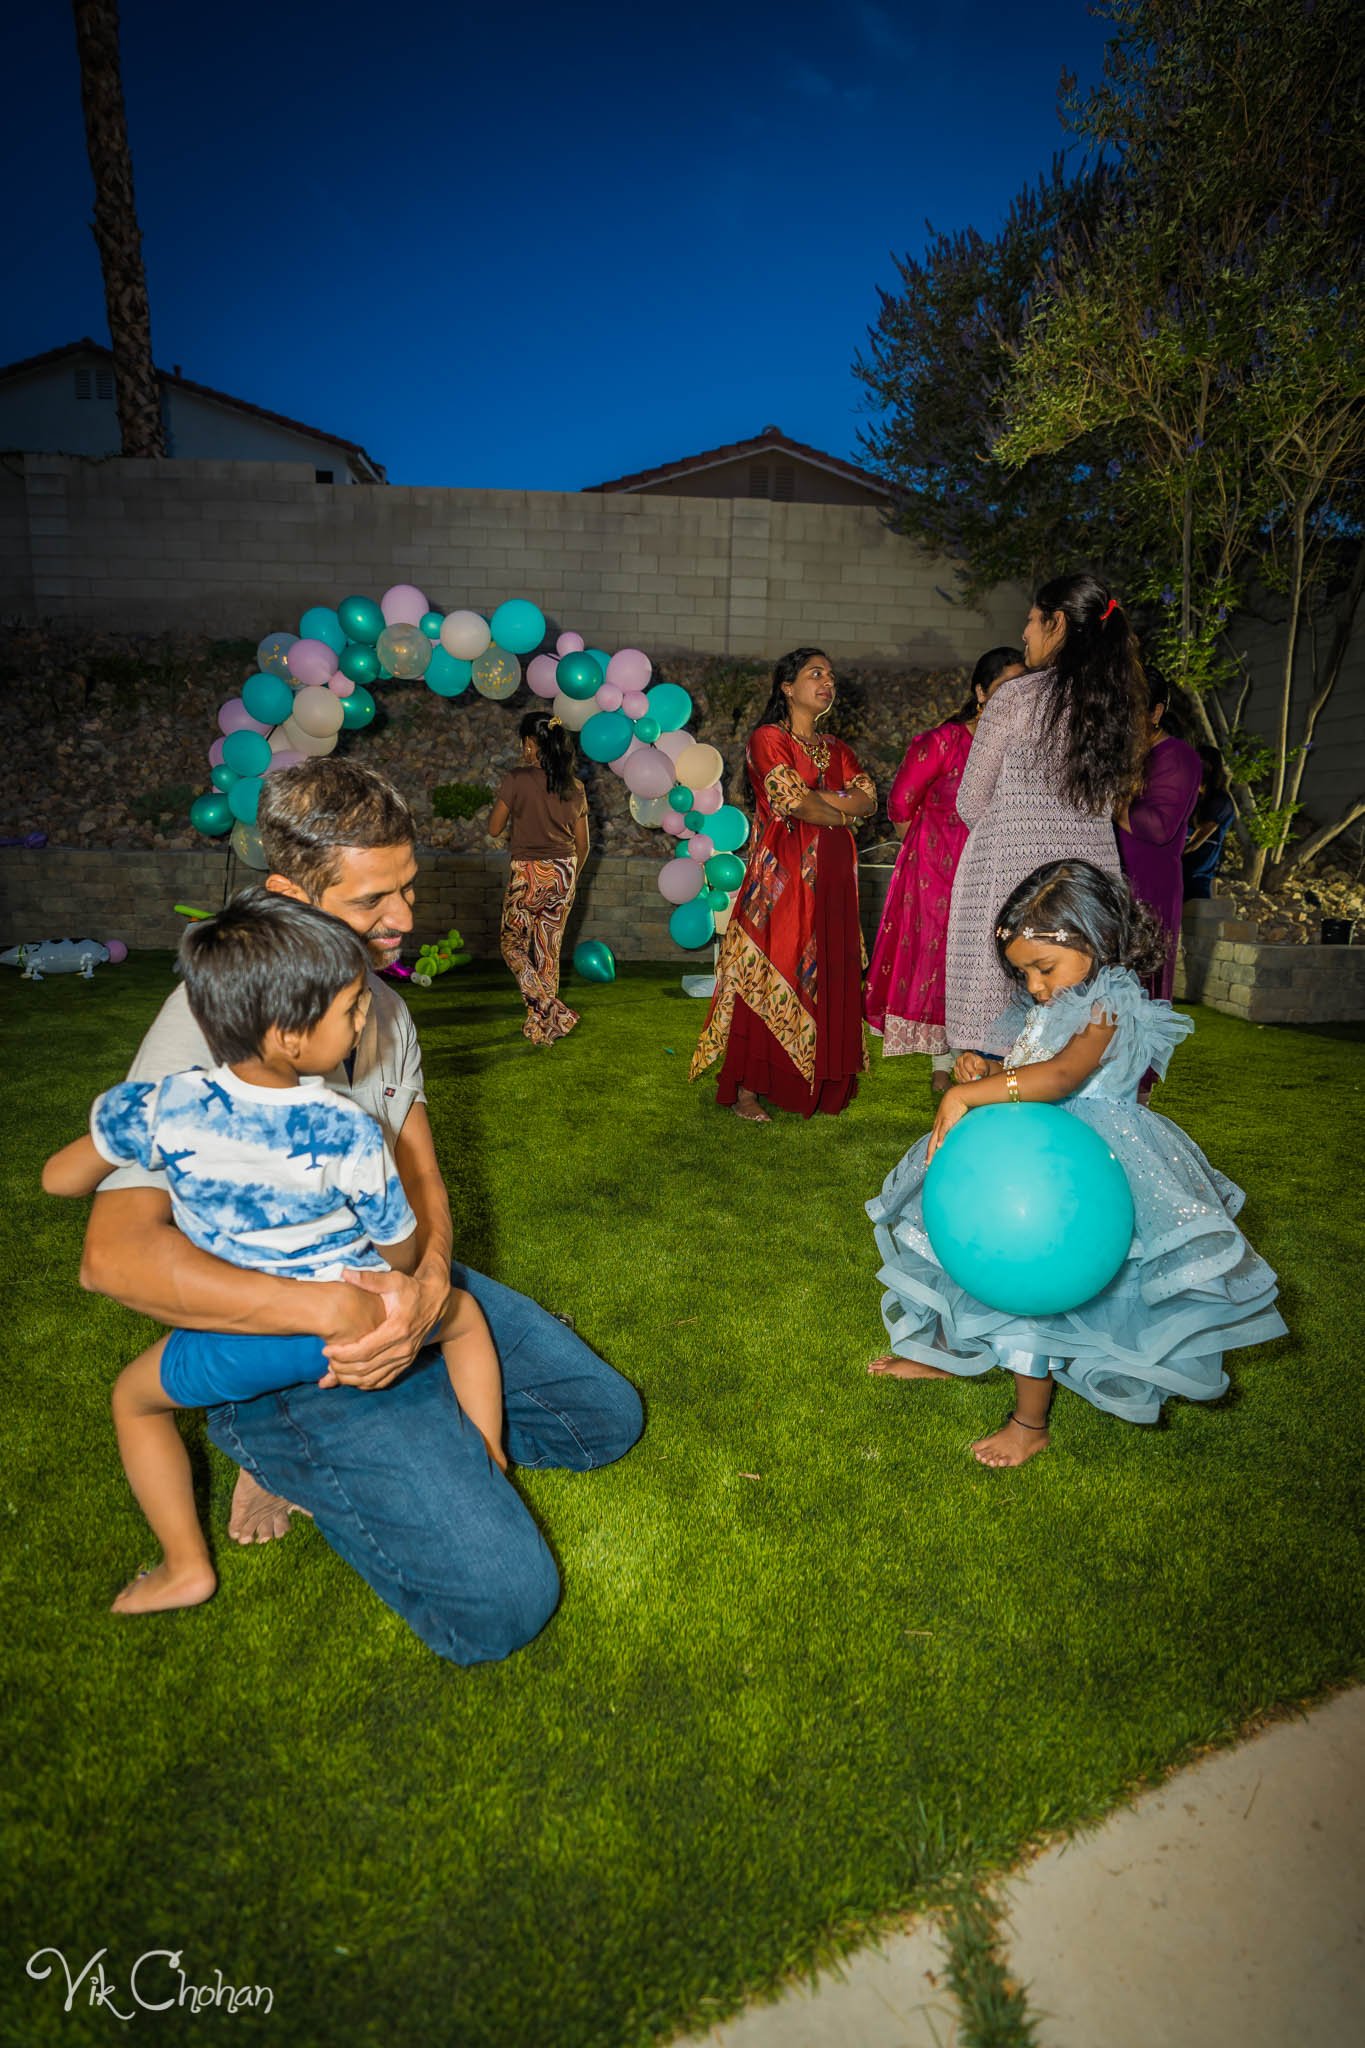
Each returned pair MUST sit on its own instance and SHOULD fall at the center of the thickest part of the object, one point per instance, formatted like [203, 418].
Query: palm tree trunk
[116, 231]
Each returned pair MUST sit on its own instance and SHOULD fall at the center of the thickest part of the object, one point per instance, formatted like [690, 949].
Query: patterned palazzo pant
[535, 911]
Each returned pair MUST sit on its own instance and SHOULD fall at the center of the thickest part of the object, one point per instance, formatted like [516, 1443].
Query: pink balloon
[618, 766]
[340, 685]
[312, 663]
[672, 823]
[700, 847]
[648, 773]
[675, 743]
[680, 880]
[630, 670]
[708, 800]
[234, 717]
[116, 950]
[608, 698]
[634, 703]
[570, 643]
[216, 754]
[402, 605]
[288, 757]
[540, 674]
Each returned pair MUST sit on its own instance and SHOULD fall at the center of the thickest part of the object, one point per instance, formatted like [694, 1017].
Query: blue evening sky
[525, 245]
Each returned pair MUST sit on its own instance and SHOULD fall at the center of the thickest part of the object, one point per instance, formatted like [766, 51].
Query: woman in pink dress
[903, 1001]
[1153, 828]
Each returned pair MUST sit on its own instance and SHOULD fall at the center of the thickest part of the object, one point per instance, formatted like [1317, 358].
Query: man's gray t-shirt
[386, 1077]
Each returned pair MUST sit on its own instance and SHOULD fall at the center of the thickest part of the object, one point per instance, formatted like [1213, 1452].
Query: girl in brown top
[545, 807]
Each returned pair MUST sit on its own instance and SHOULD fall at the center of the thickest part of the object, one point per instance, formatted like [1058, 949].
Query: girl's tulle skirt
[1190, 1289]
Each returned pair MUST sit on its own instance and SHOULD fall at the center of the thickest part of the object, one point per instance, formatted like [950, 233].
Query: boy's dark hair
[309, 813]
[1077, 905]
[266, 959]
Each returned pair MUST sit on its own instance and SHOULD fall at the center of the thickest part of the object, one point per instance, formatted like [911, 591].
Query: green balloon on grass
[446, 674]
[243, 797]
[692, 924]
[210, 814]
[594, 960]
[357, 710]
[671, 705]
[579, 677]
[431, 623]
[269, 699]
[725, 871]
[360, 664]
[727, 829]
[606, 736]
[361, 619]
[246, 753]
[223, 777]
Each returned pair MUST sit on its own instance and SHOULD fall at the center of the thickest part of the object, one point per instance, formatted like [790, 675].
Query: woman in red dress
[903, 1001]
[786, 1013]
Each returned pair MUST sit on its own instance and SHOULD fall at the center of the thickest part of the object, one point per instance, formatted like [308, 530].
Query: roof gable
[771, 440]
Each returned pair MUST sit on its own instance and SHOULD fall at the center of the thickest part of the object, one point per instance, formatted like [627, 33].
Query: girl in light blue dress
[1085, 1032]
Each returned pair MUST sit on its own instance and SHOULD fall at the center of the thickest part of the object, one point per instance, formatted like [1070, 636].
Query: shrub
[459, 799]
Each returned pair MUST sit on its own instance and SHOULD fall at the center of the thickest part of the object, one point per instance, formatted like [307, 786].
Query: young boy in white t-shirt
[269, 1169]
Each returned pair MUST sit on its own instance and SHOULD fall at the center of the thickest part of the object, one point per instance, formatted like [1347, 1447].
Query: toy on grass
[1027, 1209]
[594, 960]
[63, 956]
[439, 958]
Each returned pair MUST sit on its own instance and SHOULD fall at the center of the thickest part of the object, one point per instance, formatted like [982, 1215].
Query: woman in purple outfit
[1152, 828]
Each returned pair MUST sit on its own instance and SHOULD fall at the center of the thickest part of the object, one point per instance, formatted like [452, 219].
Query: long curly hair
[554, 747]
[1100, 693]
[1087, 909]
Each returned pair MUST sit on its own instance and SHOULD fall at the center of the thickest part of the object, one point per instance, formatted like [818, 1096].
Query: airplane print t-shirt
[297, 1181]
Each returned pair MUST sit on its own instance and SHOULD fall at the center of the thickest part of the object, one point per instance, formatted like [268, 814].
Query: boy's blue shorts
[200, 1368]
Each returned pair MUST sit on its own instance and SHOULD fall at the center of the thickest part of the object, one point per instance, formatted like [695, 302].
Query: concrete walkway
[1224, 1910]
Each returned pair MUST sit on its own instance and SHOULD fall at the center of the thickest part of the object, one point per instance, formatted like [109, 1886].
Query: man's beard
[385, 946]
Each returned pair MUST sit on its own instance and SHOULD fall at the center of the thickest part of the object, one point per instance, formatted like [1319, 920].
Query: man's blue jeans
[402, 1487]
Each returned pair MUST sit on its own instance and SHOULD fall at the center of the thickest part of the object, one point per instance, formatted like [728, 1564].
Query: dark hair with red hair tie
[1112, 606]
[1099, 695]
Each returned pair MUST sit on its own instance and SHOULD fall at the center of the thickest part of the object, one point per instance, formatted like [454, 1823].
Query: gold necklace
[817, 747]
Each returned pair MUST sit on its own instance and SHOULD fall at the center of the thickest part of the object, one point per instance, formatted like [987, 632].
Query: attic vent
[104, 383]
[324, 476]
[758, 480]
[784, 482]
[84, 382]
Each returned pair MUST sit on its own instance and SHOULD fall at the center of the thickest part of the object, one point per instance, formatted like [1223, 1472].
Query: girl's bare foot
[154, 1591]
[1015, 1444]
[257, 1516]
[749, 1109]
[893, 1368]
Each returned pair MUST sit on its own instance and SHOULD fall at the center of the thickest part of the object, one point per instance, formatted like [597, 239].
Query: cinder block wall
[1223, 964]
[240, 549]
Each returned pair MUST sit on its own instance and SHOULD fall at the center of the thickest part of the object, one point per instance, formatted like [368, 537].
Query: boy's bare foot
[257, 1516]
[1015, 1444]
[154, 1591]
[893, 1368]
[749, 1109]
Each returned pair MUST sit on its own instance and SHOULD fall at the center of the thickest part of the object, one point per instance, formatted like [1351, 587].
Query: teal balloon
[694, 821]
[322, 623]
[606, 736]
[717, 898]
[601, 657]
[246, 753]
[579, 676]
[361, 618]
[357, 710]
[431, 623]
[727, 829]
[692, 924]
[680, 797]
[647, 730]
[594, 960]
[446, 674]
[725, 871]
[385, 674]
[223, 777]
[243, 798]
[519, 626]
[361, 664]
[211, 814]
[671, 705]
[1027, 1209]
[269, 699]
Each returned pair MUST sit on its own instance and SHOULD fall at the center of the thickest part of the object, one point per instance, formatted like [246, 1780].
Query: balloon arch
[314, 685]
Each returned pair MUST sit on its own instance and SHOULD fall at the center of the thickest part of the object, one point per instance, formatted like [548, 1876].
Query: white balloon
[465, 635]
[317, 711]
[308, 742]
[574, 712]
[648, 810]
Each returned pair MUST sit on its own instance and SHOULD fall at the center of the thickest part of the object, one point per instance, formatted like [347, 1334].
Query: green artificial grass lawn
[812, 1663]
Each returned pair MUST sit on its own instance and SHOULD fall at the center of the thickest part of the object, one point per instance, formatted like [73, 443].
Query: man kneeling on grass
[401, 1483]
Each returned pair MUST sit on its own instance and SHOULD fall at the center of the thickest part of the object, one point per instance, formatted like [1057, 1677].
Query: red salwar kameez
[787, 1009]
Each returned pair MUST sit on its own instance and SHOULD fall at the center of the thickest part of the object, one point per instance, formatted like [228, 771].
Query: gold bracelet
[1011, 1084]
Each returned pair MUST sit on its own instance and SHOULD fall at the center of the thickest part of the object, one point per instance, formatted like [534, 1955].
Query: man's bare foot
[1015, 1444]
[893, 1368]
[154, 1591]
[257, 1516]
[749, 1109]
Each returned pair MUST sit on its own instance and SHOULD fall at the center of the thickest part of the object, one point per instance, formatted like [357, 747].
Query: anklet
[1039, 1426]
